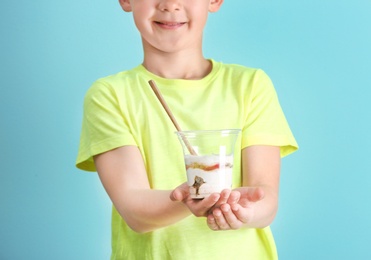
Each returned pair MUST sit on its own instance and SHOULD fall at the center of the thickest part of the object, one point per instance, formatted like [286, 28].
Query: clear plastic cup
[208, 157]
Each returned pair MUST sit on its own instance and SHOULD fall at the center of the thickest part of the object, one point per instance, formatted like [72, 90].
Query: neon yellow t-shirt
[122, 110]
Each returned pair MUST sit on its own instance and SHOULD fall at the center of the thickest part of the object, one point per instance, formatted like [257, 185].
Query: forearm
[124, 177]
[261, 169]
[147, 210]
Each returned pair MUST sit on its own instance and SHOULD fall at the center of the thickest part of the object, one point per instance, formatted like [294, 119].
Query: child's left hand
[234, 216]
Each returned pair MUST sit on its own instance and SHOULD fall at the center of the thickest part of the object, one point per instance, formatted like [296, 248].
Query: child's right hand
[198, 207]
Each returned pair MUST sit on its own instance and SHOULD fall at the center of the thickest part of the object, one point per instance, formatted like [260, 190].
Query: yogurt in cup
[208, 158]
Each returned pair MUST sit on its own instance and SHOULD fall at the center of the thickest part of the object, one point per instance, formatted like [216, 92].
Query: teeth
[169, 24]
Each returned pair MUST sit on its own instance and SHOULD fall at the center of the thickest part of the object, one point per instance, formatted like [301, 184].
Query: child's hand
[198, 207]
[235, 214]
[227, 196]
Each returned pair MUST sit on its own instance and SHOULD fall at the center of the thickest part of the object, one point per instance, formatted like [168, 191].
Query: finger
[220, 220]
[230, 218]
[201, 207]
[234, 197]
[210, 201]
[224, 196]
[211, 223]
[241, 213]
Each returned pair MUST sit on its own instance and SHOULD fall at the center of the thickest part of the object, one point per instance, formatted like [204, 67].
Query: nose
[169, 5]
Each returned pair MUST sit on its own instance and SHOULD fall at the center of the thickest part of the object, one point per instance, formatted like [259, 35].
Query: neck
[182, 65]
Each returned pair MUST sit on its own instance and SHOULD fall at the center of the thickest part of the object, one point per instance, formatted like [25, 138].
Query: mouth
[169, 24]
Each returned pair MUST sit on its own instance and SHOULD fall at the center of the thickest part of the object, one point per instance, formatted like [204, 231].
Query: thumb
[250, 194]
[256, 194]
[176, 195]
[179, 193]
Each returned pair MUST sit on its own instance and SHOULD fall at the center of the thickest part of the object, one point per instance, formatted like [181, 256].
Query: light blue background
[317, 52]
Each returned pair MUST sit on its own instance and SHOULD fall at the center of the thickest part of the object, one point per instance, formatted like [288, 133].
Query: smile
[169, 25]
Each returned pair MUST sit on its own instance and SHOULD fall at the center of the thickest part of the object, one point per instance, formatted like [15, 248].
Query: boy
[129, 140]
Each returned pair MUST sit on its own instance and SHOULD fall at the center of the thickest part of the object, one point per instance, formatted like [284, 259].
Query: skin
[171, 32]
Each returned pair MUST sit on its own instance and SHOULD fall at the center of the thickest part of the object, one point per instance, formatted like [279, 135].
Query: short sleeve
[265, 122]
[103, 127]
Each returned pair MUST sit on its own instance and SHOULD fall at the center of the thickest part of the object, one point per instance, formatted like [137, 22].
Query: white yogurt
[207, 174]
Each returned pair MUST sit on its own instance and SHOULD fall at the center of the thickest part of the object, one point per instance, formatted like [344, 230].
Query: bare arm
[124, 177]
[258, 198]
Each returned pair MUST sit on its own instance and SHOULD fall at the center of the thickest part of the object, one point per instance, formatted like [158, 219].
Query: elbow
[267, 221]
[135, 221]
[140, 229]
[138, 226]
